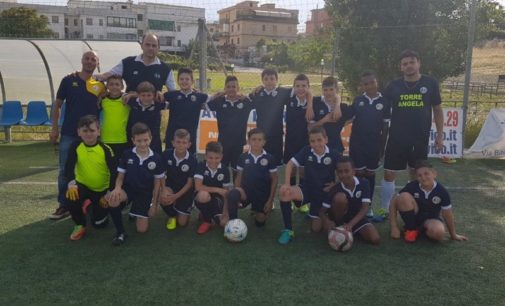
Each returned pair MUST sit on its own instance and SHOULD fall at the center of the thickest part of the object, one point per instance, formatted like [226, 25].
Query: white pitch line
[43, 167]
[28, 183]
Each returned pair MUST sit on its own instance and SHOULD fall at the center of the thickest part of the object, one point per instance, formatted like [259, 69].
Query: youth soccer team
[119, 161]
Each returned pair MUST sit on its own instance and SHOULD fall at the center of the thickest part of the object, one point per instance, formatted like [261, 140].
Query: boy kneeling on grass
[140, 174]
[90, 172]
[421, 203]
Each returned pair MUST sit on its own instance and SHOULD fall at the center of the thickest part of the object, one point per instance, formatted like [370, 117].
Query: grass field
[40, 266]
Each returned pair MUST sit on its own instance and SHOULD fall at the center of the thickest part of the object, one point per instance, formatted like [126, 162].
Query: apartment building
[247, 22]
[319, 20]
[100, 20]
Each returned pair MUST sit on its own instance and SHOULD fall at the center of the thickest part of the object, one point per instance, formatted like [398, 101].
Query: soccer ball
[235, 230]
[339, 239]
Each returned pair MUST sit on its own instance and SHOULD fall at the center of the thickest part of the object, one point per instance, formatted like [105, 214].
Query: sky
[212, 6]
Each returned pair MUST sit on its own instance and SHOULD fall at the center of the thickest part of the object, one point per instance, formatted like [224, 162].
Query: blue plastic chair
[36, 113]
[62, 115]
[12, 113]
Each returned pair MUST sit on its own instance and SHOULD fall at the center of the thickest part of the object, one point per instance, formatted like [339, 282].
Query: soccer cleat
[119, 239]
[85, 206]
[286, 236]
[381, 215]
[59, 213]
[78, 232]
[171, 223]
[204, 228]
[411, 235]
[304, 208]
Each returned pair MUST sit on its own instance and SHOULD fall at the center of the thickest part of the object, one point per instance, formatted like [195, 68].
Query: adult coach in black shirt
[412, 99]
[144, 67]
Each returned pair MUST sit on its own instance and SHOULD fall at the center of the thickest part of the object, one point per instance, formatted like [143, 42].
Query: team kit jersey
[430, 203]
[150, 116]
[177, 173]
[256, 177]
[140, 174]
[93, 166]
[411, 112]
[136, 71]
[232, 118]
[184, 114]
[269, 107]
[319, 171]
[219, 178]
[355, 199]
[80, 98]
[114, 120]
[333, 129]
[370, 116]
[296, 128]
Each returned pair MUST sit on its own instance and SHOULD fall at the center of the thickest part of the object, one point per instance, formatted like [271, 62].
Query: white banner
[491, 140]
[453, 134]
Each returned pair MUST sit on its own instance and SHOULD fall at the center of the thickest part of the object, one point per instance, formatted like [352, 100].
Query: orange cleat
[411, 235]
[204, 228]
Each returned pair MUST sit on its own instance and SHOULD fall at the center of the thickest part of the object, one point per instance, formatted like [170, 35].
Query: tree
[372, 34]
[306, 53]
[24, 22]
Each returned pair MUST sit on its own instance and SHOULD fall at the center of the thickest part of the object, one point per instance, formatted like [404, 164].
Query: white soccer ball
[339, 239]
[235, 230]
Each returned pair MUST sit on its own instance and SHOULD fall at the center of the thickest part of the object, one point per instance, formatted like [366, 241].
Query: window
[179, 44]
[75, 22]
[264, 28]
[66, 21]
[140, 33]
[178, 28]
[121, 36]
[163, 25]
[166, 41]
[100, 22]
[121, 22]
[140, 17]
[55, 19]
[238, 41]
[232, 41]
[89, 36]
[238, 27]
[89, 21]
[232, 27]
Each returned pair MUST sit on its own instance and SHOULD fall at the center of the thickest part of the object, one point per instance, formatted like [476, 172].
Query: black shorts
[274, 146]
[422, 217]
[141, 202]
[214, 207]
[98, 214]
[257, 201]
[348, 217]
[231, 155]
[364, 156]
[316, 202]
[184, 204]
[398, 155]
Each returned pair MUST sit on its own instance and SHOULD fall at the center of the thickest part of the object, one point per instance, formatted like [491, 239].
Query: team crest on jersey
[135, 72]
[130, 161]
[247, 162]
[206, 172]
[436, 200]
[151, 165]
[220, 177]
[310, 159]
[379, 106]
[361, 103]
[75, 84]
[423, 90]
[416, 195]
[327, 161]
[240, 105]
[157, 75]
[358, 194]
[274, 93]
[170, 163]
[225, 105]
[264, 162]
[184, 168]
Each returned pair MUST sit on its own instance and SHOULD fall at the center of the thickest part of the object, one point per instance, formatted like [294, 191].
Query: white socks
[387, 193]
